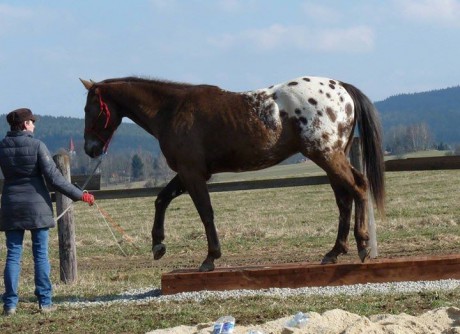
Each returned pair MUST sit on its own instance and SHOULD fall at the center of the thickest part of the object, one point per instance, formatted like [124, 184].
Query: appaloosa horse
[203, 130]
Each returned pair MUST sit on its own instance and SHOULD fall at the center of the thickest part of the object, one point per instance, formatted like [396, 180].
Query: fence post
[66, 227]
[356, 154]
[357, 162]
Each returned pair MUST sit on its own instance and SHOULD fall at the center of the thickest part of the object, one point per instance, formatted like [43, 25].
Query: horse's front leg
[198, 191]
[173, 189]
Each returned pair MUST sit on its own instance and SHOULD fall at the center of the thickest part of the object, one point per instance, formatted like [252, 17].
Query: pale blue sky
[382, 47]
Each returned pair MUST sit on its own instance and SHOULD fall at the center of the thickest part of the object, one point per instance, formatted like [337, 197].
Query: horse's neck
[142, 105]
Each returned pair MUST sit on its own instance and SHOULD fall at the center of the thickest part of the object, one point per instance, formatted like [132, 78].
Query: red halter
[104, 109]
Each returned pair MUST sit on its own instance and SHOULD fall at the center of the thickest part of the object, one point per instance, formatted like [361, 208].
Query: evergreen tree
[137, 167]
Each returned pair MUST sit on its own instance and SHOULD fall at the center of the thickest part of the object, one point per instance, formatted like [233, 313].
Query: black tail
[371, 144]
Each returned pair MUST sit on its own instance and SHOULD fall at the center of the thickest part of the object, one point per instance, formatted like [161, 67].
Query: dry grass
[273, 226]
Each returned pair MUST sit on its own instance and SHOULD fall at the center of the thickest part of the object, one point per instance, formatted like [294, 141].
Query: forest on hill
[57, 132]
[438, 109]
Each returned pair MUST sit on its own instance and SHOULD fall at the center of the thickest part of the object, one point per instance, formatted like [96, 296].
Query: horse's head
[101, 119]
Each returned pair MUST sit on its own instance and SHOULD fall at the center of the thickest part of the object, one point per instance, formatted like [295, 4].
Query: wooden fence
[411, 164]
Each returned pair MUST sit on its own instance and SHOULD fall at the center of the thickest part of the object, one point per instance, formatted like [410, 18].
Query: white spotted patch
[264, 106]
[322, 108]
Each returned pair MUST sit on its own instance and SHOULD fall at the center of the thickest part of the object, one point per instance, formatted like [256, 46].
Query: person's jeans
[43, 288]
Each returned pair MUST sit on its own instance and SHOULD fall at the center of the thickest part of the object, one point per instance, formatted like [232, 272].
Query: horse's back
[257, 129]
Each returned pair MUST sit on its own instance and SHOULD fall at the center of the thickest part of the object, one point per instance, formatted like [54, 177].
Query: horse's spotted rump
[321, 108]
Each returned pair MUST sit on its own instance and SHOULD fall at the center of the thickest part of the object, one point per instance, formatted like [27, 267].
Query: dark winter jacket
[25, 163]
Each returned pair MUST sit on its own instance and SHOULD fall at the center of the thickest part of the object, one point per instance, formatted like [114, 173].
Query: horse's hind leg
[344, 202]
[348, 185]
[361, 231]
[173, 189]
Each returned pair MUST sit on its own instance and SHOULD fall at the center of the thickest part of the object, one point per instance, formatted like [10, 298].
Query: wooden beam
[428, 163]
[299, 275]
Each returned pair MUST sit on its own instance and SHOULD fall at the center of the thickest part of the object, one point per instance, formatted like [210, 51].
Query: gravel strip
[153, 294]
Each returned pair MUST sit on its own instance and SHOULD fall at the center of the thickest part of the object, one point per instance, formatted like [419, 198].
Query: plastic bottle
[299, 320]
[224, 325]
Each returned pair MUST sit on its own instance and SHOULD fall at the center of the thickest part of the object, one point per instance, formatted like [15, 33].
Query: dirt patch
[443, 320]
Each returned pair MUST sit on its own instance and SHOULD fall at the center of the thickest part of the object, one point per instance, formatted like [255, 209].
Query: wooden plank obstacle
[298, 275]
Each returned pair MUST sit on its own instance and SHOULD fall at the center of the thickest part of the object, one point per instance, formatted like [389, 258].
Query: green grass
[255, 227]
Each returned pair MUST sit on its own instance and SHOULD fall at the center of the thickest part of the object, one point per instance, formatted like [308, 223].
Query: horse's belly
[249, 159]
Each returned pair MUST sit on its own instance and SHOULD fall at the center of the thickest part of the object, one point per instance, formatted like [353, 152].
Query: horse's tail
[371, 144]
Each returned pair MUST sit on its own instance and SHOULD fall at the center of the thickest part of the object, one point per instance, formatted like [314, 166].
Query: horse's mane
[150, 81]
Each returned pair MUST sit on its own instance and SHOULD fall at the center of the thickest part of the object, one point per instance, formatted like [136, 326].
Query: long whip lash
[120, 229]
[111, 232]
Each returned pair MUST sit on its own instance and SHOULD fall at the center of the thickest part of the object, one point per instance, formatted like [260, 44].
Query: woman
[26, 205]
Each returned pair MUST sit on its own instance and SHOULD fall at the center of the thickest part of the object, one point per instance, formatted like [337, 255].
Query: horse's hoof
[364, 254]
[329, 260]
[206, 266]
[158, 251]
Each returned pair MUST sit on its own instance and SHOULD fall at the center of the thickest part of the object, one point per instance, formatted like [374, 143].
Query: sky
[384, 48]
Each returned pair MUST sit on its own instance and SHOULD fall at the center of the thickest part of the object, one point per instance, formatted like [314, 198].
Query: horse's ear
[88, 85]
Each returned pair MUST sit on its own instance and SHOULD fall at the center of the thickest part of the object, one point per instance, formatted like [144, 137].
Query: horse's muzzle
[93, 149]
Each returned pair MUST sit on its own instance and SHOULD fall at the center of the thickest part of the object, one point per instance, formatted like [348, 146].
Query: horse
[203, 130]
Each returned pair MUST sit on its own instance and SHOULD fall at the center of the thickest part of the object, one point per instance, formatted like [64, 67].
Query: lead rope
[83, 187]
[107, 218]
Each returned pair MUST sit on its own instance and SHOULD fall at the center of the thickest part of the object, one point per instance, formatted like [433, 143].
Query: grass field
[255, 227]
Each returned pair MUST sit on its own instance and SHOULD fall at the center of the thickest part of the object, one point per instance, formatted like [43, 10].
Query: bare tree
[404, 139]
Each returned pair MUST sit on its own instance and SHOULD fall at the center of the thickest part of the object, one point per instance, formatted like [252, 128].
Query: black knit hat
[20, 115]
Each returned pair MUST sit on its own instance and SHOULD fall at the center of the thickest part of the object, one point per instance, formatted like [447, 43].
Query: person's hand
[88, 198]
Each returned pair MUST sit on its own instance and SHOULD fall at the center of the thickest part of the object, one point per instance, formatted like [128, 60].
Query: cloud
[277, 36]
[163, 5]
[355, 39]
[11, 16]
[31, 20]
[230, 5]
[320, 13]
[10, 12]
[443, 12]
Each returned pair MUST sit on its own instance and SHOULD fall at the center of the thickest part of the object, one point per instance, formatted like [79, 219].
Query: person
[26, 205]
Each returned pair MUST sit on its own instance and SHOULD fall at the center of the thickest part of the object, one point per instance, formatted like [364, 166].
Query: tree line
[122, 167]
